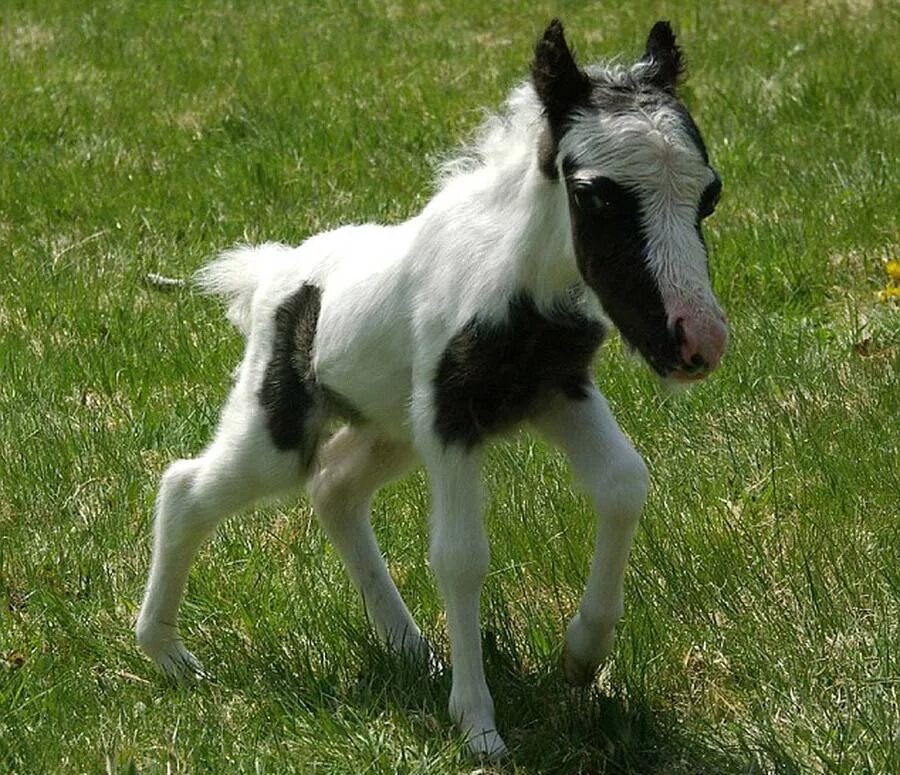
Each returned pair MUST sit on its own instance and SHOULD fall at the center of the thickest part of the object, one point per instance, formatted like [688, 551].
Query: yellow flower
[892, 267]
[892, 292]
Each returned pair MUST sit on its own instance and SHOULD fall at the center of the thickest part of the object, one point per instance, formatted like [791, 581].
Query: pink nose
[702, 339]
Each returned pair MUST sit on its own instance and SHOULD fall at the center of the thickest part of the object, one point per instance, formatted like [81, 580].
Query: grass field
[762, 631]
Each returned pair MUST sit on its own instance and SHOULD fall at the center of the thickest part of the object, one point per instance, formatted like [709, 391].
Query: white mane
[508, 137]
[503, 139]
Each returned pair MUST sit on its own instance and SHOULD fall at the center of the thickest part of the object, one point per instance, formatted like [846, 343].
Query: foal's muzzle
[700, 342]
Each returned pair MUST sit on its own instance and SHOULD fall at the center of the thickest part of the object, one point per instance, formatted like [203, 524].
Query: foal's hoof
[585, 650]
[486, 744]
[163, 645]
[180, 666]
[416, 651]
[577, 673]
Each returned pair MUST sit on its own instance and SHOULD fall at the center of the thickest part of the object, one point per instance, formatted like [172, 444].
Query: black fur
[691, 128]
[293, 402]
[561, 86]
[494, 375]
[610, 249]
[710, 198]
[666, 55]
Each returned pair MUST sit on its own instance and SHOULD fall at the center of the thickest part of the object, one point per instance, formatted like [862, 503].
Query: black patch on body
[494, 375]
[295, 405]
[288, 393]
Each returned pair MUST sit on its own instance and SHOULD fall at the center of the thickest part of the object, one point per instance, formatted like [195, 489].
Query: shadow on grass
[553, 728]
[549, 727]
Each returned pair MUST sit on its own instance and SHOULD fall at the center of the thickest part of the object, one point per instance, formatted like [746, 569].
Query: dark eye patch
[710, 198]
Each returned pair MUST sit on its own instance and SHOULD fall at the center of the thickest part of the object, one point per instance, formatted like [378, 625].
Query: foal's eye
[589, 199]
[599, 196]
[710, 199]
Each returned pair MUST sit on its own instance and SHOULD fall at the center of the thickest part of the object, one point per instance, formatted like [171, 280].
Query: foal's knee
[335, 493]
[180, 506]
[459, 564]
[620, 490]
[176, 488]
[179, 476]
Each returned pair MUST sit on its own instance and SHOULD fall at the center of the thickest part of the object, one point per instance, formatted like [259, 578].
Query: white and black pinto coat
[424, 339]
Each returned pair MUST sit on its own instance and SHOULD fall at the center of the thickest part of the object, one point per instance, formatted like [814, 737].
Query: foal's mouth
[687, 376]
[669, 367]
[674, 356]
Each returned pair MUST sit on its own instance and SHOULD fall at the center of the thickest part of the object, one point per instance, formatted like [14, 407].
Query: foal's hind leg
[352, 465]
[239, 467]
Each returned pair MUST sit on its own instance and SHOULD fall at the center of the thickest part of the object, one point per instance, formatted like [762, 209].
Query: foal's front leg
[614, 476]
[459, 555]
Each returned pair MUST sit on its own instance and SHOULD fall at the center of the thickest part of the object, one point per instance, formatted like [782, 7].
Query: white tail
[235, 275]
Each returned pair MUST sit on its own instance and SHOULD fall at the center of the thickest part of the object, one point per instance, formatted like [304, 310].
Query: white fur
[392, 297]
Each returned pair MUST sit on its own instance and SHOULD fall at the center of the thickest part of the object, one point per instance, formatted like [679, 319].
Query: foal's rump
[255, 279]
[333, 312]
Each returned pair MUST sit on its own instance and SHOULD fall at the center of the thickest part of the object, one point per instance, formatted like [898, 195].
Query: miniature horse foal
[425, 338]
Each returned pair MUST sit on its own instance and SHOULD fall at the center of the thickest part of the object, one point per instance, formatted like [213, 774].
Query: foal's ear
[665, 55]
[559, 82]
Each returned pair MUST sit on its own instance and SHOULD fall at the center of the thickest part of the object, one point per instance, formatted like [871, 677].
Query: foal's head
[639, 184]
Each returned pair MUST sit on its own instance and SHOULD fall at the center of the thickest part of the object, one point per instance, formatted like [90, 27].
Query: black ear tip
[559, 83]
[664, 51]
[554, 30]
[661, 36]
[554, 35]
[551, 46]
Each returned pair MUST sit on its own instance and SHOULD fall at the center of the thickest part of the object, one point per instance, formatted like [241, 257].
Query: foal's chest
[494, 375]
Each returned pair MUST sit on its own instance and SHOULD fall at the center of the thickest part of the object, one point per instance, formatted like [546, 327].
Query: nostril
[698, 360]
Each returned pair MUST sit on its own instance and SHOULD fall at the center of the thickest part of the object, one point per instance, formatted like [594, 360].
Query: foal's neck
[543, 252]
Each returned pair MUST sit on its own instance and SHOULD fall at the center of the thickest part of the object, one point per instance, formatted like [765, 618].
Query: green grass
[763, 598]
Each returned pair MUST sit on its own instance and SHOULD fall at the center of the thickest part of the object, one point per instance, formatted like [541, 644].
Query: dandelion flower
[892, 268]
[891, 293]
